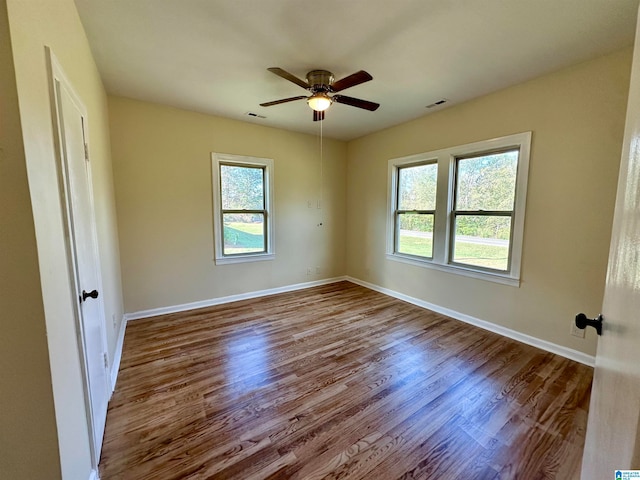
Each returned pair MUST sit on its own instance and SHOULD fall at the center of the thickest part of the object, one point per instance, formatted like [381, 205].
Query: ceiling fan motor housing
[320, 80]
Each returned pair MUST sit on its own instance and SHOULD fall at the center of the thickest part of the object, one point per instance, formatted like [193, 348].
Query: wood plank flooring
[339, 381]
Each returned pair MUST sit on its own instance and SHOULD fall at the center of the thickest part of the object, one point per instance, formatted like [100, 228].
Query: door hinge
[106, 360]
[86, 152]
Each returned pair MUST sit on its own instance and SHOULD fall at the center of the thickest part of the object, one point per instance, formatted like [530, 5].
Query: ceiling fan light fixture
[319, 101]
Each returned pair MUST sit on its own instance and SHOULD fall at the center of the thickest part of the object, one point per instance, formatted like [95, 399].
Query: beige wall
[577, 119]
[28, 441]
[162, 171]
[35, 24]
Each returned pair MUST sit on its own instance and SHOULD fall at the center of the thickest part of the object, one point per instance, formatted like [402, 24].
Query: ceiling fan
[321, 84]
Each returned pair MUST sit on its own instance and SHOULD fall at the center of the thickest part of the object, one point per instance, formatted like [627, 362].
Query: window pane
[242, 188]
[243, 233]
[415, 234]
[487, 182]
[482, 241]
[417, 187]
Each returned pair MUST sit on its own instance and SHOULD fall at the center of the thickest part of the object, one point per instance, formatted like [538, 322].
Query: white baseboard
[154, 312]
[486, 325]
[117, 356]
[94, 475]
[492, 327]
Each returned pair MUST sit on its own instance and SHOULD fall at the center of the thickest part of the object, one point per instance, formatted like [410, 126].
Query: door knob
[92, 294]
[583, 322]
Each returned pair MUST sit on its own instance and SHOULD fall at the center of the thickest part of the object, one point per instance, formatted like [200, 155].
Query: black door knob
[92, 294]
[583, 322]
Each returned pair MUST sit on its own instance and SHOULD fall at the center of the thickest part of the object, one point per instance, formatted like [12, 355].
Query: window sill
[457, 270]
[244, 258]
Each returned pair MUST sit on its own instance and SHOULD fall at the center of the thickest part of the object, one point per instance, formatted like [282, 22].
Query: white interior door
[613, 430]
[84, 253]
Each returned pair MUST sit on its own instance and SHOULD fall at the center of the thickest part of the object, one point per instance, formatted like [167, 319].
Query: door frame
[59, 79]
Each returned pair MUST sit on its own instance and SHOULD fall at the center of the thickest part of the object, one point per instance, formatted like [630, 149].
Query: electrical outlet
[318, 270]
[575, 331]
[309, 271]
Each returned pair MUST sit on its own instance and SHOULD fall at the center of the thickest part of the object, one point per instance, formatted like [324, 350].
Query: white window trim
[446, 159]
[241, 160]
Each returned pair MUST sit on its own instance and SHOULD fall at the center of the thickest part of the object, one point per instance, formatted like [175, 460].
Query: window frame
[444, 217]
[266, 164]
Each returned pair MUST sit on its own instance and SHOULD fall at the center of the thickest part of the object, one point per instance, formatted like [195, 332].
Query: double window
[243, 212]
[461, 209]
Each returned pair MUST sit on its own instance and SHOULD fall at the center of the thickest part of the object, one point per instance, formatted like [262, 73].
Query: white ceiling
[212, 56]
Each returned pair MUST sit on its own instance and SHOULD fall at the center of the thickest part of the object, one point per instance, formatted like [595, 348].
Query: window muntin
[490, 204]
[416, 204]
[243, 208]
[485, 190]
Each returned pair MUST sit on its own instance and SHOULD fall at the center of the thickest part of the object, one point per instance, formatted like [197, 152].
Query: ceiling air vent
[438, 103]
[255, 115]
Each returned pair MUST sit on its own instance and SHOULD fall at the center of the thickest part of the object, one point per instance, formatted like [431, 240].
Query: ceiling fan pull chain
[321, 176]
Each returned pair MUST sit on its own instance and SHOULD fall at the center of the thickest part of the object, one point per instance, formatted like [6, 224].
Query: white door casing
[77, 199]
[613, 430]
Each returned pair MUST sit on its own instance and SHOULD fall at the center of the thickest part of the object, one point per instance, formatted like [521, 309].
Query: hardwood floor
[335, 382]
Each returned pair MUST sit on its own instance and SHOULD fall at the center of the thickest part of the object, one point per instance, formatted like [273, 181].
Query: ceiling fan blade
[284, 100]
[318, 116]
[356, 102]
[351, 81]
[288, 76]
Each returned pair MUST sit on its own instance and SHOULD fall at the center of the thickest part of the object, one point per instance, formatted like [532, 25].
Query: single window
[461, 209]
[416, 207]
[242, 208]
[485, 191]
